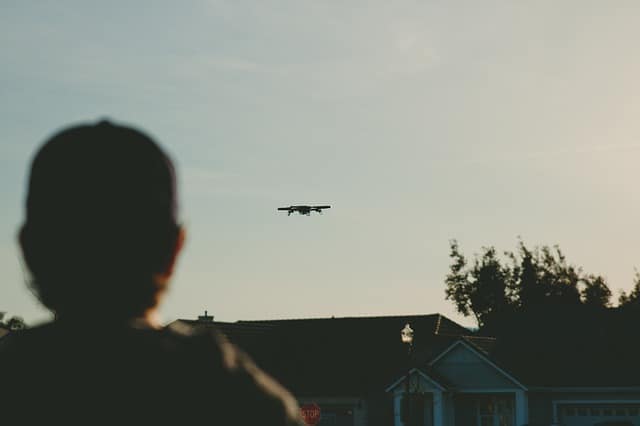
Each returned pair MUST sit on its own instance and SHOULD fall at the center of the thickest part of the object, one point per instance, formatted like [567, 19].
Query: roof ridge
[475, 345]
[437, 330]
[468, 336]
[471, 336]
[225, 323]
[446, 322]
[340, 318]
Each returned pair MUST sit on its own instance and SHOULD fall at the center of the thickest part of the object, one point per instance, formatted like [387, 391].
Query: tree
[558, 278]
[595, 292]
[490, 297]
[457, 281]
[633, 298]
[527, 287]
[528, 280]
[481, 290]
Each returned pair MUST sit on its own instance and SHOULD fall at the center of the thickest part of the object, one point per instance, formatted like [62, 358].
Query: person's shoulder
[19, 340]
[249, 392]
[208, 340]
[263, 397]
[184, 330]
[6, 343]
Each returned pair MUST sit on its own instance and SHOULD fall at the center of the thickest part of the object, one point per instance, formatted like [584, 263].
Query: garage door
[600, 415]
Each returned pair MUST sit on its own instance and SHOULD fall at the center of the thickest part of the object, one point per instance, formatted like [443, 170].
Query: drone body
[305, 210]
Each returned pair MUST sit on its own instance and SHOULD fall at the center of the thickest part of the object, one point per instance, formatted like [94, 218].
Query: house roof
[356, 355]
[482, 343]
[469, 345]
[571, 348]
[434, 380]
[316, 356]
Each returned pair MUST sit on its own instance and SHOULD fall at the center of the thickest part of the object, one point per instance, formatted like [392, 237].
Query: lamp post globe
[406, 335]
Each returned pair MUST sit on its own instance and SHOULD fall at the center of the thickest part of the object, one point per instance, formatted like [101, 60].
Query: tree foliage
[481, 289]
[492, 287]
[631, 299]
[595, 291]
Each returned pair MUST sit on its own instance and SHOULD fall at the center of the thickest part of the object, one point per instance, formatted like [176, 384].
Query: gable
[419, 382]
[466, 370]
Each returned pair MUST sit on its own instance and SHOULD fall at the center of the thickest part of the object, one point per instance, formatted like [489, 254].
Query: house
[358, 371]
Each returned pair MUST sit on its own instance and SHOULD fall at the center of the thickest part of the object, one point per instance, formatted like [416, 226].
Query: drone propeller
[303, 210]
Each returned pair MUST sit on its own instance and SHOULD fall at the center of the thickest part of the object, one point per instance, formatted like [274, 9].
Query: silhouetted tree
[459, 287]
[595, 291]
[529, 280]
[491, 296]
[633, 297]
[527, 288]
[482, 290]
[561, 279]
[542, 276]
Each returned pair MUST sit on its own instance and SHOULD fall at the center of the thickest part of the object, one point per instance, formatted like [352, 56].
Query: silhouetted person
[100, 240]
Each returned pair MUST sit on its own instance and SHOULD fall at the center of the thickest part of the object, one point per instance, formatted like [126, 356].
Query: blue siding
[464, 369]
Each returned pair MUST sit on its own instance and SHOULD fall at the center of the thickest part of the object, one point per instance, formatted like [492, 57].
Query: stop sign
[311, 414]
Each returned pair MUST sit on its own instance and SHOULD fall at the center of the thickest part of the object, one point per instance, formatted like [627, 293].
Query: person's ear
[177, 248]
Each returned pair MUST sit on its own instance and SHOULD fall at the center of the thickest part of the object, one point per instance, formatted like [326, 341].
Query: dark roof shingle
[355, 355]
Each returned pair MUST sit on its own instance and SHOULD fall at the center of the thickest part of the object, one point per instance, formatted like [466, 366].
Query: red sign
[311, 414]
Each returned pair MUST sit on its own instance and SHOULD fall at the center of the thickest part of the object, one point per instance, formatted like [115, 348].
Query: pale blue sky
[419, 121]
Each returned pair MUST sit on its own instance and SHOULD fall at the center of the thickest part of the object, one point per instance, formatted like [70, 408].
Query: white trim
[421, 373]
[397, 403]
[446, 351]
[484, 358]
[437, 408]
[521, 408]
[557, 402]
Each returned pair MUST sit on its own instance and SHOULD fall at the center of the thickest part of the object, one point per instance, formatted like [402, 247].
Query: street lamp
[406, 335]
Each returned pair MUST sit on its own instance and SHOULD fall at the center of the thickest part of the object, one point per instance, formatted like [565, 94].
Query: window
[603, 412]
[495, 411]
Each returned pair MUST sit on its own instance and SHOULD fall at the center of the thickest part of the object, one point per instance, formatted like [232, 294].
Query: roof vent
[205, 317]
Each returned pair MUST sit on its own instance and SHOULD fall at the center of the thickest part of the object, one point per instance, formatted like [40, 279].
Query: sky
[418, 121]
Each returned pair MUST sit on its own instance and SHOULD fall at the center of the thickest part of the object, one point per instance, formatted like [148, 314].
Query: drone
[305, 210]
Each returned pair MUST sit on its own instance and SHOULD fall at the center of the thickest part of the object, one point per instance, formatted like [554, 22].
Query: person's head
[100, 234]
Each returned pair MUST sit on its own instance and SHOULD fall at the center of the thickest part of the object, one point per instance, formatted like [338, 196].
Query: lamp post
[406, 334]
